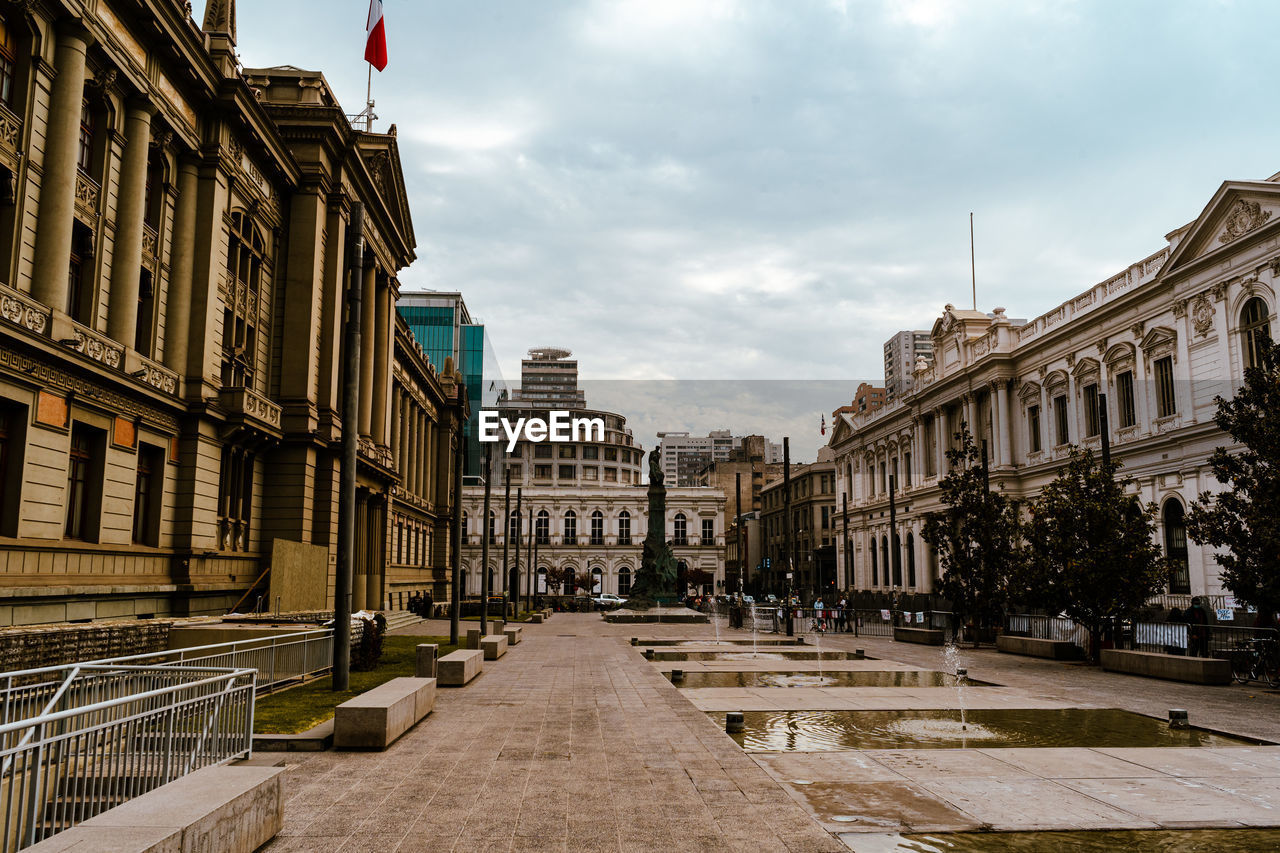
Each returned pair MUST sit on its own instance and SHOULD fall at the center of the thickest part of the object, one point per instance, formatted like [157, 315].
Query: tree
[557, 577]
[585, 581]
[698, 578]
[977, 537]
[1245, 518]
[1091, 547]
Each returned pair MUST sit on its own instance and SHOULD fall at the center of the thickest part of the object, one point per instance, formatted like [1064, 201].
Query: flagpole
[368, 102]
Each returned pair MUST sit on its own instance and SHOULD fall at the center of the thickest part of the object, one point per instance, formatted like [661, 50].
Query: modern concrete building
[684, 456]
[446, 330]
[1160, 339]
[172, 256]
[900, 354]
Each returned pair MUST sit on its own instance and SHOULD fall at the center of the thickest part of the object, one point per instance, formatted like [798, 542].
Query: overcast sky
[741, 189]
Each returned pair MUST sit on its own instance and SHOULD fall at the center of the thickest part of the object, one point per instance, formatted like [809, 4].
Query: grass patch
[297, 709]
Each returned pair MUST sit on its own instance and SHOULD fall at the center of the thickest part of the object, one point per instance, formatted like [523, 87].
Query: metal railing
[1177, 638]
[78, 739]
[1044, 627]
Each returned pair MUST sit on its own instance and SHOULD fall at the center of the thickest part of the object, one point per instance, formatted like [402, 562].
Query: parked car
[608, 599]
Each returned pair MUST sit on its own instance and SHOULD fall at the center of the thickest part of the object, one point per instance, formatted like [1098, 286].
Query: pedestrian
[1197, 617]
[818, 615]
[842, 615]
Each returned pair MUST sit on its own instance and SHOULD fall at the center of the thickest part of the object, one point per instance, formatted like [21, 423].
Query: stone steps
[401, 619]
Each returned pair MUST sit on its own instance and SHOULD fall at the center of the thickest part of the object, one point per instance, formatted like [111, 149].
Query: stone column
[396, 446]
[917, 452]
[971, 416]
[383, 329]
[360, 581]
[368, 340]
[1003, 425]
[377, 552]
[177, 311]
[940, 452]
[61, 152]
[126, 257]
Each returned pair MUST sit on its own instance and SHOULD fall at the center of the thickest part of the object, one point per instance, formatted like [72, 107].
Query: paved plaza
[573, 741]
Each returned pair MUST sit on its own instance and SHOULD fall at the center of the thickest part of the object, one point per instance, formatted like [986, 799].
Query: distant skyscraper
[683, 456]
[900, 353]
[548, 380]
[444, 328]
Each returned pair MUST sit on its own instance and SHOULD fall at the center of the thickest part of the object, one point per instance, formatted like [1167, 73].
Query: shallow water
[823, 731]
[909, 678]
[1144, 841]
[659, 654]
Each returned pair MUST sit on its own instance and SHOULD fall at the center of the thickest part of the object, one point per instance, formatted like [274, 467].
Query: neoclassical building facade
[1154, 343]
[173, 240]
[591, 530]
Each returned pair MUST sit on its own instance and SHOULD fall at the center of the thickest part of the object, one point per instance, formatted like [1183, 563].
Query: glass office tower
[444, 328]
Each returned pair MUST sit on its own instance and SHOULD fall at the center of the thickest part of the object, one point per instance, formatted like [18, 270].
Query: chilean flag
[375, 49]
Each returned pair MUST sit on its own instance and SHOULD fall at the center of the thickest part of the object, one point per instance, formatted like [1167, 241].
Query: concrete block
[473, 638]
[425, 666]
[536, 618]
[235, 809]
[457, 668]
[513, 633]
[923, 636]
[494, 647]
[1039, 648]
[1169, 667]
[375, 718]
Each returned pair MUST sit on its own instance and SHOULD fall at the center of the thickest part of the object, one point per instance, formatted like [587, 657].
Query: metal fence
[1044, 627]
[1175, 638]
[76, 740]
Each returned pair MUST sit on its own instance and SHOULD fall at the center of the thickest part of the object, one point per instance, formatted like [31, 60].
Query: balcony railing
[251, 405]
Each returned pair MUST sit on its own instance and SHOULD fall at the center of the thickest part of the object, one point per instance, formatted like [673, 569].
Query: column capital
[140, 104]
[74, 29]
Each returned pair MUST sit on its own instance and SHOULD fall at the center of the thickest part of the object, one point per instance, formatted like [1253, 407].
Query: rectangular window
[590, 472]
[8, 55]
[1033, 427]
[148, 490]
[1166, 402]
[611, 475]
[708, 531]
[624, 529]
[568, 451]
[516, 451]
[1124, 399]
[516, 471]
[1062, 433]
[567, 472]
[610, 454]
[13, 424]
[590, 453]
[930, 447]
[542, 451]
[85, 157]
[235, 499]
[906, 469]
[1092, 422]
[542, 472]
[84, 482]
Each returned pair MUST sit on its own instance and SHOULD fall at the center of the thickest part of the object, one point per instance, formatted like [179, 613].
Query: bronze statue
[655, 581]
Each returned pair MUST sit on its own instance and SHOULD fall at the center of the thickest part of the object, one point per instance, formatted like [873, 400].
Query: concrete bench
[1039, 648]
[375, 718]
[923, 636]
[457, 668]
[513, 633]
[494, 647]
[1170, 667]
[229, 808]
[536, 618]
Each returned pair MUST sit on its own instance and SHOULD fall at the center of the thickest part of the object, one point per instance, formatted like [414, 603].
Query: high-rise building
[900, 353]
[684, 456]
[445, 329]
[549, 380]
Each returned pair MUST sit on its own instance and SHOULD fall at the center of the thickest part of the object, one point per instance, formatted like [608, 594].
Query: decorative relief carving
[1244, 217]
[22, 313]
[160, 378]
[1218, 291]
[1137, 330]
[59, 379]
[149, 241]
[251, 404]
[1071, 359]
[87, 195]
[1180, 308]
[97, 348]
[1202, 314]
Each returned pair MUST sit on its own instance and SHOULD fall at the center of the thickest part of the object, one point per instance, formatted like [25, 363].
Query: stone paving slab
[1033, 804]
[787, 666]
[1247, 762]
[1177, 803]
[859, 699]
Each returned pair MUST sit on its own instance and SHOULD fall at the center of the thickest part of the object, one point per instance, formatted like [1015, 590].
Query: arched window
[597, 580]
[597, 528]
[911, 559]
[1255, 331]
[681, 529]
[884, 560]
[493, 527]
[462, 583]
[245, 253]
[542, 580]
[570, 527]
[875, 575]
[897, 559]
[624, 528]
[542, 528]
[1175, 546]
[624, 581]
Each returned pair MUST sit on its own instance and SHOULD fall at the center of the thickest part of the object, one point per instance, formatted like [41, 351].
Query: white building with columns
[1156, 342]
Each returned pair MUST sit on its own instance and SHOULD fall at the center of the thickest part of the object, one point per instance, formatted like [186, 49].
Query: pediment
[1157, 337]
[1236, 210]
[840, 430]
[1118, 352]
[1084, 367]
[381, 156]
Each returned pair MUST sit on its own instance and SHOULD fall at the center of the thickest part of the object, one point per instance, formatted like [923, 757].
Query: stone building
[172, 256]
[813, 529]
[1155, 342]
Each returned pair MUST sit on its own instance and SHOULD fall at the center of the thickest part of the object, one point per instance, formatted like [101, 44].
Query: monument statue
[655, 582]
